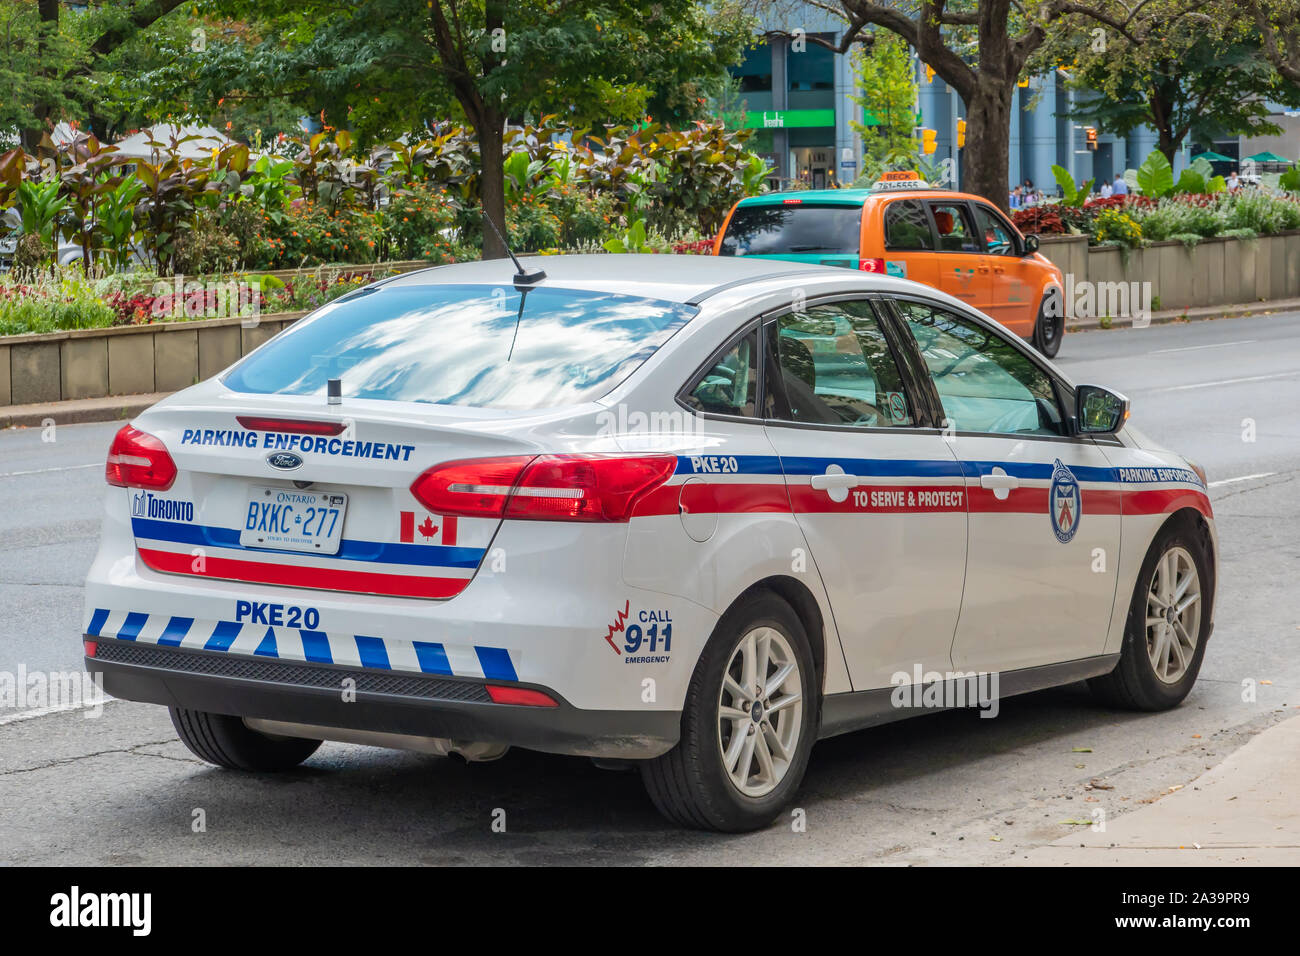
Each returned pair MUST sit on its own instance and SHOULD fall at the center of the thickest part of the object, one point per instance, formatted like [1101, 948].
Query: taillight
[474, 488]
[587, 487]
[545, 488]
[90, 647]
[137, 459]
[871, 265]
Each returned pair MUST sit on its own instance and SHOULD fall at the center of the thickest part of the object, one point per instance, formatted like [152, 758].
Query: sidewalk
[1201, 312]
[1244, 811]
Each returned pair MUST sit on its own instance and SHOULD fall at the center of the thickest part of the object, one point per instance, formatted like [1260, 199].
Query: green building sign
[789, 119]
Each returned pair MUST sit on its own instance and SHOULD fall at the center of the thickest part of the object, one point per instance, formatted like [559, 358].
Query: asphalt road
[947, 788]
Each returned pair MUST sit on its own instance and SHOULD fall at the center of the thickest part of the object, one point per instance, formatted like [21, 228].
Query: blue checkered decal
[285, 643]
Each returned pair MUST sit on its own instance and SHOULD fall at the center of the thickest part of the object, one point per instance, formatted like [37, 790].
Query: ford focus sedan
[689, 514]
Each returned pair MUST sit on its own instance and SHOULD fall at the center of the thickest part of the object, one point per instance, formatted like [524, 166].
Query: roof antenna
[522, 277]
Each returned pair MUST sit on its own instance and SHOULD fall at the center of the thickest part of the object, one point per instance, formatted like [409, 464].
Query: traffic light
[928, 141]
[1090, 136]
[961, 133]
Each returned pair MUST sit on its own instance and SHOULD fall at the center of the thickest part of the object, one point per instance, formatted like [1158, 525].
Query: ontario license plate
[286, 519]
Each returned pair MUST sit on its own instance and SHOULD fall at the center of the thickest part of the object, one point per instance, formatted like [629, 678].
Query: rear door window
[469, 345]
[956, 230]
[793, 229]
[907, 227]
[837, 368]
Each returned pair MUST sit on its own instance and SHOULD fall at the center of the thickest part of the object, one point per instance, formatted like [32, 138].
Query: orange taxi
[902, 226]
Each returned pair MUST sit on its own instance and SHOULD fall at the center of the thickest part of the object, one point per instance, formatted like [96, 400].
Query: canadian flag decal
[434, 529]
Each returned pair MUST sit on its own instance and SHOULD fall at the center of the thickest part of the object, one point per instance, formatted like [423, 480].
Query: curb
[78, 411]
[1200, 313]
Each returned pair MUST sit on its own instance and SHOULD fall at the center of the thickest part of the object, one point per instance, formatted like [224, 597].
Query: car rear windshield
[792, 229]
[468, 345]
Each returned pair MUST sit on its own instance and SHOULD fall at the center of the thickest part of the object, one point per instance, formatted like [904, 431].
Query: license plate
[286, 519]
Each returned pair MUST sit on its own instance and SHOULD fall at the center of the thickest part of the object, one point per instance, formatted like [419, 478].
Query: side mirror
[1031, 245]
[1099, 411]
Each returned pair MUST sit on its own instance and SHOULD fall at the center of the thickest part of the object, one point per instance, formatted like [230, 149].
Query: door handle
[829, 482]
[999, 481]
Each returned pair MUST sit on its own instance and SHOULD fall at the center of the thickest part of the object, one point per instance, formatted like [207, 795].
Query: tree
[49, 56]
[1184, 72]
[885, 73]
[979, 48]
[386, 67]
[1278, 23]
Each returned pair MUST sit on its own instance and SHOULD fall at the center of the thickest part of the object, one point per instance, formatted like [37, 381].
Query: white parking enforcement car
[689, 512]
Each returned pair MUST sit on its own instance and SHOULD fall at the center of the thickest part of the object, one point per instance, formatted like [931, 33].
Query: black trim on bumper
[390, 702]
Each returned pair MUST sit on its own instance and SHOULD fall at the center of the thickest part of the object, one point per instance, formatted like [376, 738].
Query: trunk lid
[244, 489]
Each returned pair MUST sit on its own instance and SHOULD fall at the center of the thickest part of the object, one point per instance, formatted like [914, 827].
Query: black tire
[226, 742]
[1133, 684]
[689, 785]
[1048, 331]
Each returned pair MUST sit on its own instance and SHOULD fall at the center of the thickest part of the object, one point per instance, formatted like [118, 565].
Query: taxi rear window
[469, 345]
[793, 229]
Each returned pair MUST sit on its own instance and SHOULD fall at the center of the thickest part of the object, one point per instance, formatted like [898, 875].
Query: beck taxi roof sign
[899, 179]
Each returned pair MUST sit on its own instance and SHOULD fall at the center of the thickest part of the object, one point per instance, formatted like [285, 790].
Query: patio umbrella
[1213, 157]
[1267, 157]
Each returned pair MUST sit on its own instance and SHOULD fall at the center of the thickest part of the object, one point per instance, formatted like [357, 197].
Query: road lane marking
[53, 709]
[1193, 348]
[1222, 381]
[1231, 481]
[46, 471]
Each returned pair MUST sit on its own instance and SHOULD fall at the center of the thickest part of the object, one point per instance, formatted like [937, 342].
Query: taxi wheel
[1048, 331]
[226, 742]
[748, 726]
[1168, 625]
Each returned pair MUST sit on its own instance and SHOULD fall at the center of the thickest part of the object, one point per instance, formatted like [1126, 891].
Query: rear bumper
[381, 701]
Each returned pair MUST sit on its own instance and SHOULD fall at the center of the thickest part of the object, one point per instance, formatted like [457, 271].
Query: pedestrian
[1119, 187]
[1105, 190]
[1233, 182]
[1016, 200]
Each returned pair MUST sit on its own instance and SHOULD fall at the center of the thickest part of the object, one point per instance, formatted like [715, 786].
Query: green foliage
[1290, 180]
[637, 240]
[206, 246]
[1072, 197]
[419, 224]
[1155, 177]
[1173, 68]
[52, 302]
[40, 205]
[1114, 226]
[116, 214]
[1262, 214]
[887, 77]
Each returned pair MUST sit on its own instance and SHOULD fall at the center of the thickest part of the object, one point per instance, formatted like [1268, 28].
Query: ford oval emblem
[284, 460]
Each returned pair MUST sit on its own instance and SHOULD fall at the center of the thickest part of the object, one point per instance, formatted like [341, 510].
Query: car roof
[671, 278]
[850, 197]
